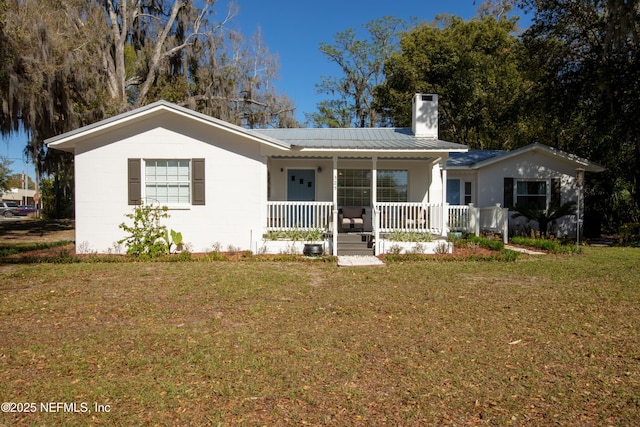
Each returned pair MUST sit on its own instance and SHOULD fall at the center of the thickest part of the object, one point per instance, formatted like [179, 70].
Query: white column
[445, 205]
[335, 205]
[374, 201]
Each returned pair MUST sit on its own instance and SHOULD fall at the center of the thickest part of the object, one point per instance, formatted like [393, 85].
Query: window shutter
[555, 192]
[508, 193]
[197, 181]
[134, 182]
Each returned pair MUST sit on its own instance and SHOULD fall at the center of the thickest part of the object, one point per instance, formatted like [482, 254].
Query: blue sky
[293, 30]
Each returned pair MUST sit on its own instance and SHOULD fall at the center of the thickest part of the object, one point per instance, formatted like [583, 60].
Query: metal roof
[472, 157]
[357, 139]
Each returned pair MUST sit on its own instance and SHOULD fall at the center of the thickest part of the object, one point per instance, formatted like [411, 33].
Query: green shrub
[146, 236]
[629, 233]
[296, 234]
[491, 244]
[554, 246]
[409, 236]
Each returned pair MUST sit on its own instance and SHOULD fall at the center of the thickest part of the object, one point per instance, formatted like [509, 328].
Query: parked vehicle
[26, 209]
[9, 209]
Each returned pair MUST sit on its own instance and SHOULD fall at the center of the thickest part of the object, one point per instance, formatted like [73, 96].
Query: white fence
[471, 219]
[299, 215]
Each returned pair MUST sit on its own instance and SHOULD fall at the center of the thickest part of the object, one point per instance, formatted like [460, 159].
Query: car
[26, 209]
[9, 209]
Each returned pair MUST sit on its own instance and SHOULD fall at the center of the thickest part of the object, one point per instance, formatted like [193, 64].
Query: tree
[361, 65]
[473, 66]
[70, 63]
[16, 181]
[5, 173]
[586, 57]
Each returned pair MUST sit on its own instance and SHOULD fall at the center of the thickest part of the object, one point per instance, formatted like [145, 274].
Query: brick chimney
[425, 116]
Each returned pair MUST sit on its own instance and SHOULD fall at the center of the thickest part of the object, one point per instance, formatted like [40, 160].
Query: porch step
[353, 244]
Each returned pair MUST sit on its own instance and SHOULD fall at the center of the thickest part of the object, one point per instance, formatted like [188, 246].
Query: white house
[227, 185]
[534, 174]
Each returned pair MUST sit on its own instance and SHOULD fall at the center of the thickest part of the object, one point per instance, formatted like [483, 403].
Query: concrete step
[350, 238]
[354, 244]
[360, 252]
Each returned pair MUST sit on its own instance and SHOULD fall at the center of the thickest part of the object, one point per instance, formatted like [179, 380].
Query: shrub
[409, 236]
[544, 244]
[629, 233]
[146, 235]
[491, 244]
[312, 235]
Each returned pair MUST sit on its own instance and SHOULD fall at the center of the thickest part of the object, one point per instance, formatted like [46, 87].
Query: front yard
[542, 341]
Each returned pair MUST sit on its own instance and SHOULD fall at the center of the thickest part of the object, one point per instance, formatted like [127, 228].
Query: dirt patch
[37, 231]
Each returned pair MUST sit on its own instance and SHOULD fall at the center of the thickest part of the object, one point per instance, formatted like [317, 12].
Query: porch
[388, 217]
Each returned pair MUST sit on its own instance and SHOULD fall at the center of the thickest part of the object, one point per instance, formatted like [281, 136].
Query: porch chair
[417, 219]
[351, 218]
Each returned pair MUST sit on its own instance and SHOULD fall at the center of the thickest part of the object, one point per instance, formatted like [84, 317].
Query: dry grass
[543, 341]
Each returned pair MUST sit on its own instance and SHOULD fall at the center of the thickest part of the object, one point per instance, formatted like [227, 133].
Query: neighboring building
[228, 185]
[19, 195]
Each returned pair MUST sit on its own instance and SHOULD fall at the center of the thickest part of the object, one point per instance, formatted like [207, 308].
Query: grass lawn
[549, 340]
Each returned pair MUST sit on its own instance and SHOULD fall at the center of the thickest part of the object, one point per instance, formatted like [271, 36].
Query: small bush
[312, 235]
[441, 248]
[629, 234]
[410, 236]
[554, 246]
[491, 244]
[146, 236]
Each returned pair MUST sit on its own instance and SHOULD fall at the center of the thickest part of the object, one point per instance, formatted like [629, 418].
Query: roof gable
[69, 140]
[476, 159]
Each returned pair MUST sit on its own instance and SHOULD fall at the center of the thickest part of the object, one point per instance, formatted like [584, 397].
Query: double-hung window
[392, 185]
[354, 187]
[167, 181]
[532, 194]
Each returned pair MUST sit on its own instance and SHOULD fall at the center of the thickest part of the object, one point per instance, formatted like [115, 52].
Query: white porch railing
[459, 217]
[471, 219]
[299, 215]
[411, 217]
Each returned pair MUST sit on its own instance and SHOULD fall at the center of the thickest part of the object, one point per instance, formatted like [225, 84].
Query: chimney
[425, 116]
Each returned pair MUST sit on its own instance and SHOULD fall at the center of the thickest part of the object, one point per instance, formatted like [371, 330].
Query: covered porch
[404, 194]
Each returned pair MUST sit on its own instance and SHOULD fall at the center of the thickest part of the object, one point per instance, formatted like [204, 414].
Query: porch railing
[471, 219]
[299, 215]
[460, 217]
[410, 217]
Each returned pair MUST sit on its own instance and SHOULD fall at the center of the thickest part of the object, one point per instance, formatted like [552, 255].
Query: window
[167, 181]
[467, 192]
[531, 193]
[170, 181]
[354, 187]
[453, 191]
[392, 185]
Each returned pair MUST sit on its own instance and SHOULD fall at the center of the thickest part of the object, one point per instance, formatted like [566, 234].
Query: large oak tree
[474, 68]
